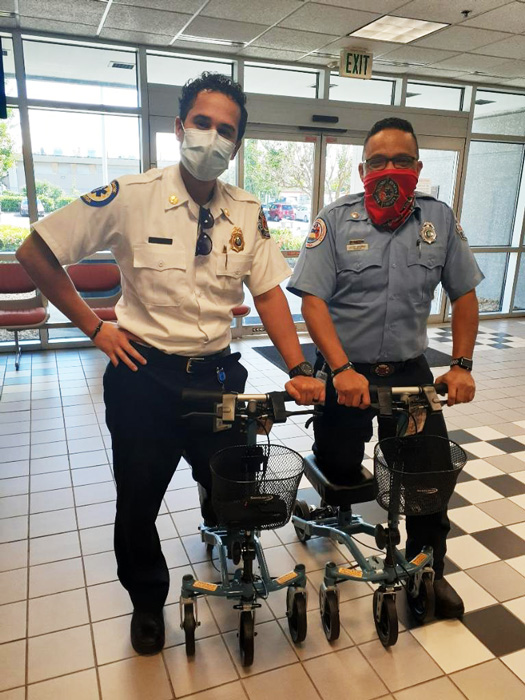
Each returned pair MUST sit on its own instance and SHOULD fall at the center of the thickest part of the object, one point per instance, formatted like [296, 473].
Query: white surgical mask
[205, 154]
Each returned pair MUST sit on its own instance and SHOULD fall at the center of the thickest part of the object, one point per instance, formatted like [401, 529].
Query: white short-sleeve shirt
[173, 300]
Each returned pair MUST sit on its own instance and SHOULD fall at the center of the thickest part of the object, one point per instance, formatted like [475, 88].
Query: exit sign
[355, 64]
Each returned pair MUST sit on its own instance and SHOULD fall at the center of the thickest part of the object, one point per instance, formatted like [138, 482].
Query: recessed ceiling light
[398, 29]
[208, 40]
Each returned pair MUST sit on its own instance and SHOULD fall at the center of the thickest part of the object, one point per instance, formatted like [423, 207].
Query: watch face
[305, 369]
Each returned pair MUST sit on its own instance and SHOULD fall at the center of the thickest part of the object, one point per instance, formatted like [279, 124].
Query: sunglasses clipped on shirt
[401, 162]
[204, 243]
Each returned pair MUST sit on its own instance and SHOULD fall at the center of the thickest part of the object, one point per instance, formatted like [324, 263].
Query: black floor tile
[503, 542]
[464, 476]
[450, 567]
[500, 346]
[457, 501]
[496, 628]
[507, 444]
[462, 437]
[455, 531]
[505, 484]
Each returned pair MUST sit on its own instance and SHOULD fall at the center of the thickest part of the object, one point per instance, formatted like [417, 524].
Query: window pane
[175, 70]
[70, 73]
[491, 191]
[499, 113]
[11, 89]
[67, 166]
[490, 290]
[14, 220]
[519, 299]
[374, 91]
[342, 171]
[438, 176]
[434, 96]
[280, 81]
[168, 153]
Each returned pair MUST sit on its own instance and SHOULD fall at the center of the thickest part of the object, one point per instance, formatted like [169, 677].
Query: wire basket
[254, 487]
[416, 475]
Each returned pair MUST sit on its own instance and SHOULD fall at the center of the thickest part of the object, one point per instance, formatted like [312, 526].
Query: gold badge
[355, 215]
[428, 232]
[237, 240]
[173, 199]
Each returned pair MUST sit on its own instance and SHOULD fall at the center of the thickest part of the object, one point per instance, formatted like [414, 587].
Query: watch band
[463, 362]
[343, 368]
[303, 369]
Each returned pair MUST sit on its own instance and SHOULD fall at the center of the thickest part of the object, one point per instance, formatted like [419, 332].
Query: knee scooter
[254, 487]
[414, 474]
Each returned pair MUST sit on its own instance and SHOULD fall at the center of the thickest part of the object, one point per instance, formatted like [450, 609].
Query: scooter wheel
[246, 637]
[296, 612]
[329, 609]
[386, 619]
[189, 626]
[302, 510]
[423, 603]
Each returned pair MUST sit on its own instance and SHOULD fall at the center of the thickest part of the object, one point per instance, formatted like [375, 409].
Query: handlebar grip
[201, 396]
[281, 395]
[372, 390]
[441, 388]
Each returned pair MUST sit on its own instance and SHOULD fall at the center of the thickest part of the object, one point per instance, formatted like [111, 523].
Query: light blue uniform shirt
[378, 283]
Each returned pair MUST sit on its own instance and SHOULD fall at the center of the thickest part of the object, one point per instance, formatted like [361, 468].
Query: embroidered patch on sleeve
[101, 195]
[262, 225]
[317, 234]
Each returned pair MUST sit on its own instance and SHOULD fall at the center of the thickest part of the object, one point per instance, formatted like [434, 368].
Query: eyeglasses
[399, 162]
[204, 243]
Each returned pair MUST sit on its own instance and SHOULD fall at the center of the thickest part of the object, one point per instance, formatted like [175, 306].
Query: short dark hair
[214, 82]
[392, 123]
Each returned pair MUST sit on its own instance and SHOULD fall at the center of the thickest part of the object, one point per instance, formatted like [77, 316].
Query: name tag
[357, 244]
[161, 241]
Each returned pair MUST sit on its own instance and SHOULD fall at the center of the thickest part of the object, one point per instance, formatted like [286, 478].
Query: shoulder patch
[317, 234]
[460, 231]
[262, 225]
[101, 196]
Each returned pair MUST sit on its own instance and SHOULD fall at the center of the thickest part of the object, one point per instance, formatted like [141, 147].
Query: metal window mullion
[83, 107]
[144, 121]
[27, 153]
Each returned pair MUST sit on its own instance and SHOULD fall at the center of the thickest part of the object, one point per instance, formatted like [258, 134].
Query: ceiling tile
[82, 11]
[55, 27]
[512, 47]
[448, 11]
[197, 46]
[131, 37]
[7, 6]
[224, 29]
[417, 55]
[333, 20]
[460, 38]
[277, 55]
[378, 48]
[509, 18]
[516, 82]
[508, 69]
[184, 6]
[138, 19]
[470, 62]
[383, 7]
[267, 12]
[280, 38]
[436, 74]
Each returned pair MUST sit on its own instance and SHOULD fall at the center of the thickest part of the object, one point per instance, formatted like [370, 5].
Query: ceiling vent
[123, 66]
[484, 102]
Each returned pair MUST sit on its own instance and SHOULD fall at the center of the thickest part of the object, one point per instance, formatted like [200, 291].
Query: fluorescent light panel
[397, 29]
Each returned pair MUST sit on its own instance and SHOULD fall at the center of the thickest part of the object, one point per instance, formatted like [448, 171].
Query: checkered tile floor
[64, 618]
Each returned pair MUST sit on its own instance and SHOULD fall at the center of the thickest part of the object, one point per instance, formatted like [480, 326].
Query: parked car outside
[302, 213]
[279, 211]
[24, 207]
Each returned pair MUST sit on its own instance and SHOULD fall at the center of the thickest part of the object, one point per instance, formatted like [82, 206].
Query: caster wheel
[189, 626]
[302, 510]
[246, 637]
[423, 602]
[236, 552]
[329, 609]
[386, 619]
[296, 612]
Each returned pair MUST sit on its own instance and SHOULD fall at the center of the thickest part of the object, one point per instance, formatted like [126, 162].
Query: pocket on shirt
[160, 274]
[425, 267]
[231, 269]
[360, 273]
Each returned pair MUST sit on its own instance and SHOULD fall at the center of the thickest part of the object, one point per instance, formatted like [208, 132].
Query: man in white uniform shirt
[185, 244]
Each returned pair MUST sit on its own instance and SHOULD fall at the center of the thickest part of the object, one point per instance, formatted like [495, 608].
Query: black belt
[384, 369]
[191, 365]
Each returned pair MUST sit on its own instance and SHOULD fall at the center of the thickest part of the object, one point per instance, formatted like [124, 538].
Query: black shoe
[147, 631]
[448, 603]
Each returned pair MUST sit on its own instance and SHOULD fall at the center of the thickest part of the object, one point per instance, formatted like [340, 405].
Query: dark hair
[392, 123]
[215, 82]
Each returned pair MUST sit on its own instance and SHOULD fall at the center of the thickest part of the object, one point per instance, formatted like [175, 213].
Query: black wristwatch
[303, 369]
[463, 362]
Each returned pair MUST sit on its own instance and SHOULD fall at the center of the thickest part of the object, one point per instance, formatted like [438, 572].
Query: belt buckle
[190, 361]
[383, 369]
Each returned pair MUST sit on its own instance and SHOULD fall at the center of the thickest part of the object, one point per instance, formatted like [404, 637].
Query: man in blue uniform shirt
[367, 275]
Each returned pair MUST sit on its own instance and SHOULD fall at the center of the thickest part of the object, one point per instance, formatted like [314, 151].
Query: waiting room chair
[99, 285]
[20, 313]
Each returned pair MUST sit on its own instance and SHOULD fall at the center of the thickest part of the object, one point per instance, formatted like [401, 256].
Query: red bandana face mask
[389, 196]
